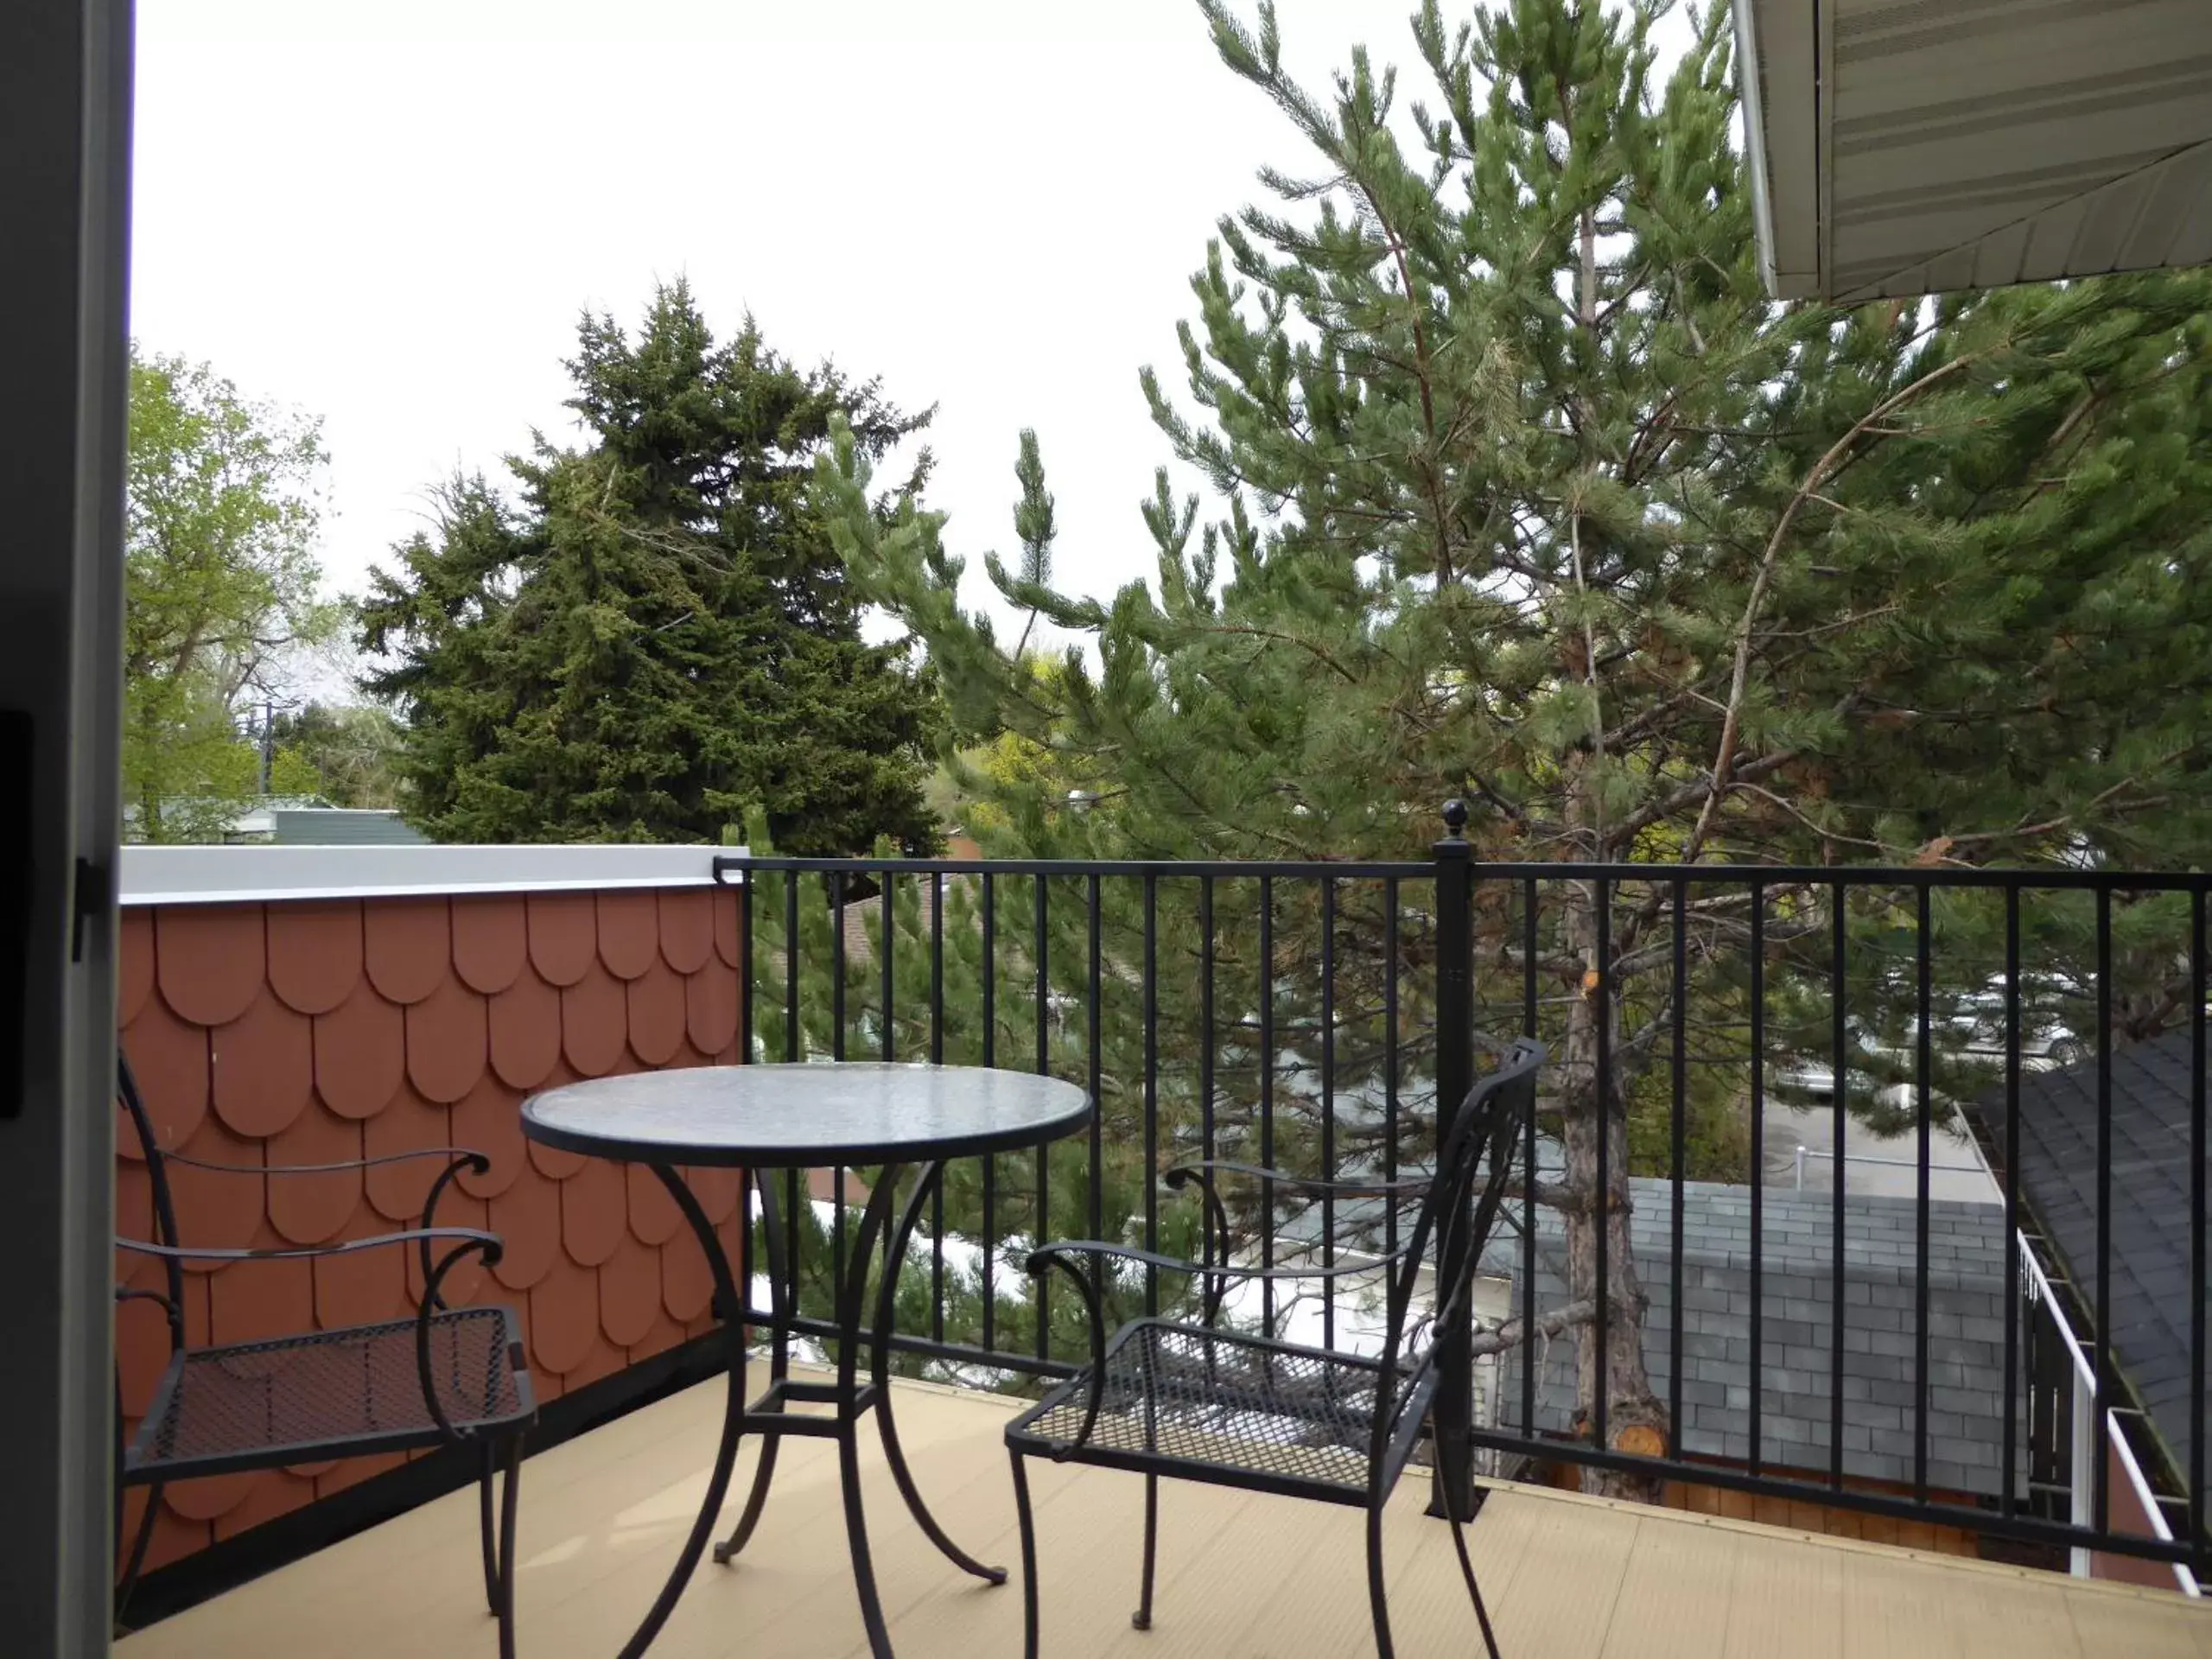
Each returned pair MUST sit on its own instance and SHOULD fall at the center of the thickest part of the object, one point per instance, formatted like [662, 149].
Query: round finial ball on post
[1455, 819]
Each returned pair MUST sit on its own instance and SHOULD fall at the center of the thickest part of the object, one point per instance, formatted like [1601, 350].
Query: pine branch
[1723, 761]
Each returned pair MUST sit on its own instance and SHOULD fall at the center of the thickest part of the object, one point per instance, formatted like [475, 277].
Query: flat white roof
[208, 875]
[1908, 147]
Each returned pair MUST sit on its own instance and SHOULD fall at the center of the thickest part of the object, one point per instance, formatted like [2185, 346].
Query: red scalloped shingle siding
[313, 1031]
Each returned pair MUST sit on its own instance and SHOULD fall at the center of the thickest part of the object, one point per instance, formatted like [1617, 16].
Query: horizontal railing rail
[1802, 1341]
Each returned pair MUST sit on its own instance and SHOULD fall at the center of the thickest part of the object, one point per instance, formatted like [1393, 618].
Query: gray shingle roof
[1965, 1329]
[2150, 1213]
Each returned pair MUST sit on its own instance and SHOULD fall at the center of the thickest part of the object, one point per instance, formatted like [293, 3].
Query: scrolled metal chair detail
[452, 1377]
[1193, 1401]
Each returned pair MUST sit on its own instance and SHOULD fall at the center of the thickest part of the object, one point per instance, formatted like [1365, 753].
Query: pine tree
[659, 636]
[1533, 498]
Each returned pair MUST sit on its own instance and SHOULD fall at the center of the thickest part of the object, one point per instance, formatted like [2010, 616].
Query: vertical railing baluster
[888, 1044]
[990, 967]
[1453, 1489]
[885, 985]
[745, 1178]
[1601, 894]
[1206, 1038]
[1041, 1230]
[1151, 1088]
[936, 1058]
[1268, 1098]
[1097, 1065]
[1529, 1345]
[1923, 1064]
[1677, 1159]
[744, 969]
[836, 885]
[2012, 1277]
[1390, 1061]
[791, 966]
[2197, 1150]
[2101, 1513]
[836, 880]
[1758, 1165]
[1838, 1107]
[1328, 1106]
[792, 1190]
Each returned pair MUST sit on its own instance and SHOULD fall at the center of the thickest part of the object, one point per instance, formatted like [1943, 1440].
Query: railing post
[1453, 1492]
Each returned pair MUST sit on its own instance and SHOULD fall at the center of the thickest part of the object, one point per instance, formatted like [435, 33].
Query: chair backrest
[165, 1228]
[1473, 1168]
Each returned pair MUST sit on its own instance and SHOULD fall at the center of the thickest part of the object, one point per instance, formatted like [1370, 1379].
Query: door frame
[65, 135]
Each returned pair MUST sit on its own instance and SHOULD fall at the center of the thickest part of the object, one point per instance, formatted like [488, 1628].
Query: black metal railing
[1313, 1014]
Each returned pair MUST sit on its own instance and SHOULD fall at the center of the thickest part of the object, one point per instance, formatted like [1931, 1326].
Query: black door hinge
[95, 892]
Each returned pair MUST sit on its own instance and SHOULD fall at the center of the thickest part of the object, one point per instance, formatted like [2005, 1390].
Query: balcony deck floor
[1241, 1577]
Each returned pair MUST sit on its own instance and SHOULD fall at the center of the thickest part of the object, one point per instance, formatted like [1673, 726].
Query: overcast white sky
[388, 212]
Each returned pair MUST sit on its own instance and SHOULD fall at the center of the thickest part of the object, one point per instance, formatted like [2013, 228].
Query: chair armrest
[459, 1159]
[1224, 1271]
[1202, 1172]
[488, 1242]
[1201, 1168]
[1042, 1261]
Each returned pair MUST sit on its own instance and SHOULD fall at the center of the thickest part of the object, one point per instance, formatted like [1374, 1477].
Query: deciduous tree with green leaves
[1531, 496]
[658, 635]
[347, 753]
[220, 581]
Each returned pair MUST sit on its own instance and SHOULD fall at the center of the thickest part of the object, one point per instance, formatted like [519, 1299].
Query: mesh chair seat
[329, 1394]
[1273, 1415]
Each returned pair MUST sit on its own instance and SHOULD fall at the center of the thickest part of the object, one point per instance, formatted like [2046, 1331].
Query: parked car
[1972, 1030]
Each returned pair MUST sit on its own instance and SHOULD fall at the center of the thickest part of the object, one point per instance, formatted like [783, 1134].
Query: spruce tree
[1532, 497]
[658, 635]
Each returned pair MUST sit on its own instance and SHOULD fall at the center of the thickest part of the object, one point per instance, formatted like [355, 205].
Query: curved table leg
[887, 1308]
[733, 1416]
[780, 1298]
[852, 1295]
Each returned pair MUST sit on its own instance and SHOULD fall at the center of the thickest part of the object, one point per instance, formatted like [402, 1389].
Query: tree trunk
[1635, 1420]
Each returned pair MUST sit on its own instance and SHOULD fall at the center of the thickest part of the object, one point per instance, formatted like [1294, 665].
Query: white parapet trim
[222, 875]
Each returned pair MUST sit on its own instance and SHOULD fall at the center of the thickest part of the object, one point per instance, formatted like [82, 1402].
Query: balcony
[1867, 1389]
[1566, 1577]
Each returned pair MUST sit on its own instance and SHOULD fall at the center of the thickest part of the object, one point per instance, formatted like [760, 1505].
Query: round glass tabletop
[794, 1116]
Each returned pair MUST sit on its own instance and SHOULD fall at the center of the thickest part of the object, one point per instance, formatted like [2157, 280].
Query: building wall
[313, 1031]
[1821, 1519]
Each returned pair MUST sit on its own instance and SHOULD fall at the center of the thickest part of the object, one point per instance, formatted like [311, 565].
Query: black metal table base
[852, 1397]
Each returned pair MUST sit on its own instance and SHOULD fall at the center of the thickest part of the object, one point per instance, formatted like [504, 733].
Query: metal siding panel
[2108, 223]
[1956, 268]
[1970, 152]
[1997, 256]
[2192, 246]
[2176, 187]
[2016, 54]
[1785, 40]
[2050, 240]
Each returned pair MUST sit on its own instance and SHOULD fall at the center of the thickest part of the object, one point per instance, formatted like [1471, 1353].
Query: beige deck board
[1241, 1576]
[1782, 1598]
[1677, 1579]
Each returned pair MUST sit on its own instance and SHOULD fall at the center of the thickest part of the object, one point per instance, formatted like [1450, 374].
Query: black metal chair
[1196, 1402]
[448, 1377]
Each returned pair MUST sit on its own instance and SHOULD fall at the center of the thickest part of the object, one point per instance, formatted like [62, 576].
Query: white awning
[1905, 147]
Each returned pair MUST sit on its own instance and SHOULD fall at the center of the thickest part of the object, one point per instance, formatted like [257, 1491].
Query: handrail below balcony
[2083, 1405]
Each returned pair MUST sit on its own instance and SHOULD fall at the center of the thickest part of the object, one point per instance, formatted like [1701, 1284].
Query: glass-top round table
[762, 1119]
